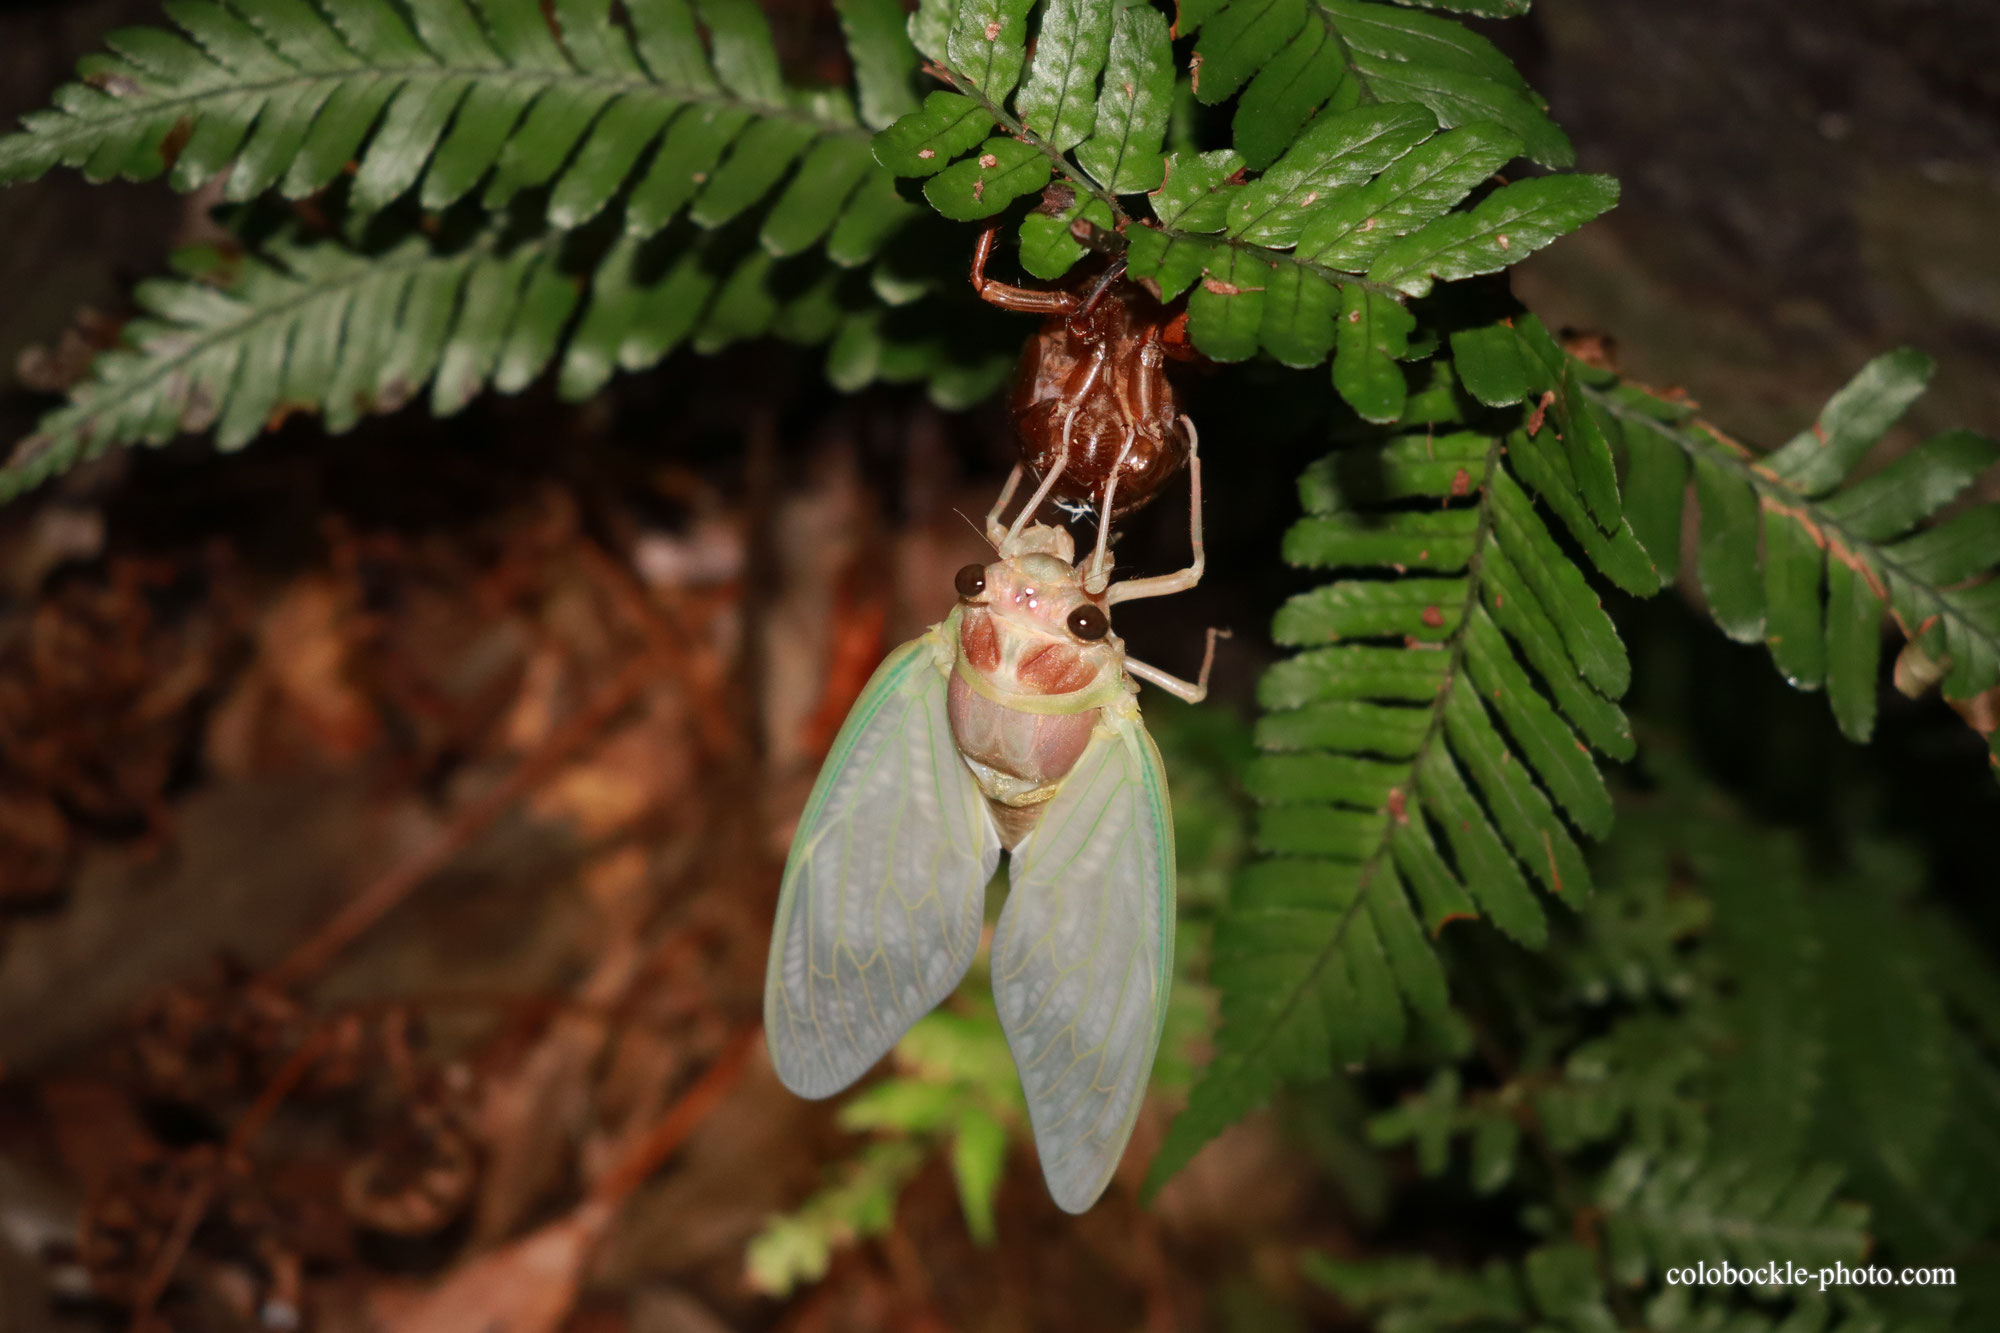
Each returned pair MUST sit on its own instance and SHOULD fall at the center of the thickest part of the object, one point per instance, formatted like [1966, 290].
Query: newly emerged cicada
[1010, 726]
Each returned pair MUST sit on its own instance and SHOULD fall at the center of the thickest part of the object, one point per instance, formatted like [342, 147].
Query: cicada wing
[1083, 957]
[884, 892]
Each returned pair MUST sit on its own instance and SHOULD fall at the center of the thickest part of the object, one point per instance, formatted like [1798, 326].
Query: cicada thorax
[1097, 382]
[1026, 690]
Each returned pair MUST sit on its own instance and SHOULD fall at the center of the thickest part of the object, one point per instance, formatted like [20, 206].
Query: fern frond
[1288, 57]
[1414, 772]
[1836, 553]
[1638, 1080]
[1423, 1294]
[1890, 1069]
[1767, 938]
[238, 342]
[463, 94]
[1664, 1211]
[795, 1249]
[1366, 128]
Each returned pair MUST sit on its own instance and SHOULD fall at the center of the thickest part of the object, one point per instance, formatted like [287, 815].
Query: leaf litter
[458, 840]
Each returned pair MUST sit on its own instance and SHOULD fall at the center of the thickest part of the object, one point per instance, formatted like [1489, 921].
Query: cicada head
[1031, 628]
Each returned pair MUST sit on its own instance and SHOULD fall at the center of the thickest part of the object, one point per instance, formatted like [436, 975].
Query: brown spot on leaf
[992, 31]
[118, 85]
[1461, 483]
[1433, 617]
[1981, 712]
[988, 161]
[1536, 417]
[176, 141]
[1398, 806]
[926, 154]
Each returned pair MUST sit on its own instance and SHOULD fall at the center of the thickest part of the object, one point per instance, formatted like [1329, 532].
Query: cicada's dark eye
[1089, 623]
[971, 581]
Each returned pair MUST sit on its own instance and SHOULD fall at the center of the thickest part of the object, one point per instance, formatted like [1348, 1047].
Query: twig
[195, 1206]
[657, 1144]
[386, 893]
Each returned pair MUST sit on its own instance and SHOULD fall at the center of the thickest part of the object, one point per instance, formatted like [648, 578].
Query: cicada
[1011, 726]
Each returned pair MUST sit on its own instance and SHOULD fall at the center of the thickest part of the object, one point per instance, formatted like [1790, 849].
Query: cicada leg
[1041, 494]
[996, 531]
[1164, 584]
[1193, 692]
[1097, 572]
[1006, 295]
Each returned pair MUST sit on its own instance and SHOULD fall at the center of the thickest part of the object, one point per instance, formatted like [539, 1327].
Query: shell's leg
[996, 532]
[1097, 572]
[1006, 295]
[1164, 584]
[1041, 492]
[1193, 693]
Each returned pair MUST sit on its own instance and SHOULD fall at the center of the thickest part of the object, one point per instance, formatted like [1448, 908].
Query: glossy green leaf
[1372, 334]
[1563, 593]
[1226, 312]
[1727, 557]
[878, 42]
[988, 44]
[926, 141]
[1302, 76]
[1506, 226]
[811, 202]
[1489, 873]
[1058, 100]
[1299, 316]
[1123, 150]
[1423, 609]
[1794, 624]
[1656, 481]
[1243, 39]
[1514, 606]
[1425, 541]
[745, 58]
[1617, 554]
[1488, 360]
[1174, 263]
[1913, 487]
[1818, 459]
[1853, 649]
[1338, 149]
[1352, 671]
[1457, 98]
[1527, 821]
[1195, 194]
[981, 185]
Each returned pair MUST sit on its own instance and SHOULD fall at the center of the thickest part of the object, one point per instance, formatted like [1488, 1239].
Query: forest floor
[391, 831]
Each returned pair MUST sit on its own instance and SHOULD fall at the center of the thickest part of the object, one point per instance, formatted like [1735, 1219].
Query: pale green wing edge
[883, 897]
[1084, 954]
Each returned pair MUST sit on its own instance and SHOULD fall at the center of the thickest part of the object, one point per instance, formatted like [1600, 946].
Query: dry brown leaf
[529, 1286]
